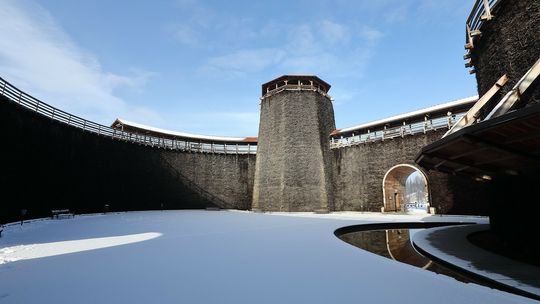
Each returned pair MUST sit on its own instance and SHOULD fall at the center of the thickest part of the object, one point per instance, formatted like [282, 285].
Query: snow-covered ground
[456, 250]
[215, 257]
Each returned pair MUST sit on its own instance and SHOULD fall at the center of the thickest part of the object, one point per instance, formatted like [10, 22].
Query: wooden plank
[471, 116]
[515, 94]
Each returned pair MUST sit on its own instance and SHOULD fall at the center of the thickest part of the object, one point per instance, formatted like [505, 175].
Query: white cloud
[38, 56]
[244, 61]
[397, 13]
[326, 47]
[370, 35]
[334, 32]
[214, 123]
[186, 35]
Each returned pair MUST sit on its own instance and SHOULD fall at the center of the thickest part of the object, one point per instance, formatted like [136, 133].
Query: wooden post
[487, 9]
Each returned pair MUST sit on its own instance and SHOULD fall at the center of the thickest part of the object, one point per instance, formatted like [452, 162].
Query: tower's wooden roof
[304, 79]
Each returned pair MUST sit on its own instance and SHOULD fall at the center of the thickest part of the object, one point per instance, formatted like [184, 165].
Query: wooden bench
[61, 212]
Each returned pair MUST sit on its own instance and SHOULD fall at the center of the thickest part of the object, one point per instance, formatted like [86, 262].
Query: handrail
[33, 104]
[475, 112]
[295, 87]
[418, 127]
[485, 104]
[480, 13]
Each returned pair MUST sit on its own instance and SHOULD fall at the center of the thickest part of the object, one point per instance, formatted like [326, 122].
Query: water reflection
[396, 244]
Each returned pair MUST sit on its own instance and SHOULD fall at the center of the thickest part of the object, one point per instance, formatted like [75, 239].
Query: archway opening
[405, 189]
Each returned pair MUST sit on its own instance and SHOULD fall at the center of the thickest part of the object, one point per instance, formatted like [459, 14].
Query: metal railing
[384, 133]
[481, 12]
[24, 100]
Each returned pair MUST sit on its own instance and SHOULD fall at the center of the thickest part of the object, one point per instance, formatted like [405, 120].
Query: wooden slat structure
[474, 113]
[508, 144]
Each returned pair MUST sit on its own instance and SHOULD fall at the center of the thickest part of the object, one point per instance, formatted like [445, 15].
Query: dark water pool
[396, 244]
[393, 241]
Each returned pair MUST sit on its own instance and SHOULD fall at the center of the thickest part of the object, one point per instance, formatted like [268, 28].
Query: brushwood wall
[360, 170]
[50, 165]
[509, 44]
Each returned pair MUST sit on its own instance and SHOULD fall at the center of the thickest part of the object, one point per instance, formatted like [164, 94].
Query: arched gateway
[405, 189]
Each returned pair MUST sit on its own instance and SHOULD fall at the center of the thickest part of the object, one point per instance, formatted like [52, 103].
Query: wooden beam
[503, 148]
[487, 9]
[469, 152]
[472, 115]
[490, 161]
[524, 137]
[515, 94]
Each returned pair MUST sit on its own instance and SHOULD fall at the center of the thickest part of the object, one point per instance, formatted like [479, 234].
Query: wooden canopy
[508, 144]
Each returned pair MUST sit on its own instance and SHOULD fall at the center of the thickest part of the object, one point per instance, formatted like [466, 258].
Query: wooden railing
[381, 133]
[25, 100]
[480, 13]
[295, 87]
[485, 108]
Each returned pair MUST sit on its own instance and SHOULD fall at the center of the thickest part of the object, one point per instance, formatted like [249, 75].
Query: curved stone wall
[509, 44]
[360, 169]
[50, 165]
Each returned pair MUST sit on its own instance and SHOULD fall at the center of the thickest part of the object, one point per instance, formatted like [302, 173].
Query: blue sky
[197, 66]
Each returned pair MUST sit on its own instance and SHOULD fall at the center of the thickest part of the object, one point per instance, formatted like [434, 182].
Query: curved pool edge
[449, 246]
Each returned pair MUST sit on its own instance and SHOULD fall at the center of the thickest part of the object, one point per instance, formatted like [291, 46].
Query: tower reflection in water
[396, 244]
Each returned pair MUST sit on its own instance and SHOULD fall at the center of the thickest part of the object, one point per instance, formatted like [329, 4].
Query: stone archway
[405, 189]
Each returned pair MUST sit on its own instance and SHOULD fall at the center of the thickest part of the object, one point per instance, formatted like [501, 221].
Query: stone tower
[293, 171]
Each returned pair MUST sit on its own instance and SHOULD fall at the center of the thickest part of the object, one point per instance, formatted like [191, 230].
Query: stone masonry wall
[360, 169]
[227, 177]
[50, 165]
[293, 171]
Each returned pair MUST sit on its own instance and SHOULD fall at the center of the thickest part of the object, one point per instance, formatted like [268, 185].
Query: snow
[404, 116]
[34, 251]
[215, 257]
[180, 134]
[476, 260]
